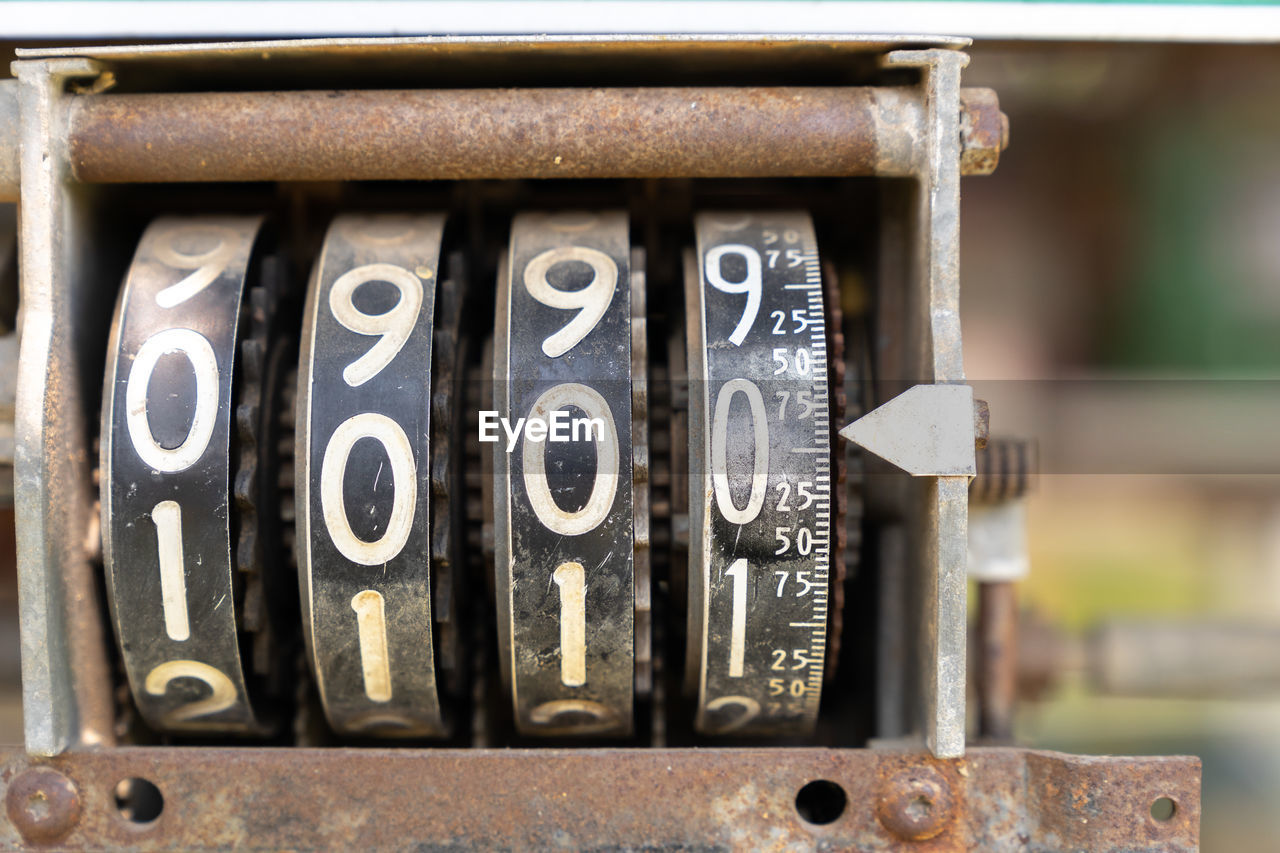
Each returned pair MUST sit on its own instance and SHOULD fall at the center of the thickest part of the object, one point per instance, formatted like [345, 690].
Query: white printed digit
[199, 353]
[750, 710]
[571, 579]
[333, 472]
[371, 627]
[738, 624]
[222, 692]
[592, 300]
[605, 486]
[719, 451]
[394, 325]
[167, 516]
[752, 285]
[603, 718]
[208, 265]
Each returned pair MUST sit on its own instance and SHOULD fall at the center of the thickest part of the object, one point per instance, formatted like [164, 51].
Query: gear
[448, 354]
[265, 565]
[848, 372]
[479, 537]
[839, 410]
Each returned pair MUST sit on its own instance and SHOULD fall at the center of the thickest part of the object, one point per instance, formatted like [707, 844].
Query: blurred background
[1121, 306]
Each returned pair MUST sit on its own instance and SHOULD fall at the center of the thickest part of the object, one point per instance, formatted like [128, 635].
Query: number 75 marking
[802, 578]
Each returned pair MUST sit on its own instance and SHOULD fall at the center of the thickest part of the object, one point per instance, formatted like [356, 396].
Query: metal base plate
[992, 799]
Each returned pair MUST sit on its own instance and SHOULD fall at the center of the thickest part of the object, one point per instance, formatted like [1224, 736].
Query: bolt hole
[821, 802]
[138, 800]
[1163, 809]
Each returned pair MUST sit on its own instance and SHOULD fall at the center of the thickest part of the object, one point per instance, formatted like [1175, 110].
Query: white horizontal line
[985, 20]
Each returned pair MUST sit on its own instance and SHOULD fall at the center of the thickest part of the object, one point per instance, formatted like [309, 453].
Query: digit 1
[571, 579]
[738, 625]
[167, 516]
[371, 622]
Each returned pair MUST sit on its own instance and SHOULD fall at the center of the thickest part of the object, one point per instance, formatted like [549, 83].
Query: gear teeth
[286, 419]
[250, 548]
[254, 610]
[446, 351]
[848, 508]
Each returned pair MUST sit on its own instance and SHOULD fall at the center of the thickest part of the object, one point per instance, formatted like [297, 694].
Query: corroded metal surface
[927, 338]
[984, 131]
[993, 799]
[499, 133]
[42, 804]
[9, 137]
[472, 134]
[66, 683]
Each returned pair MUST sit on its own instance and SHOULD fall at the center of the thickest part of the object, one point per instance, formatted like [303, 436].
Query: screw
[43, 804]
[915, 804]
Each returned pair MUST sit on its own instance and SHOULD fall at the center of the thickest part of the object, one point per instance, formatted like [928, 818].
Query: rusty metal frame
[62, 789]
[66, 688]
[65, 698]
[992, 799]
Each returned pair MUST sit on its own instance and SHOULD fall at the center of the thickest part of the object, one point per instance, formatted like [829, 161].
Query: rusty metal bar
[500, 133]
[372, 799]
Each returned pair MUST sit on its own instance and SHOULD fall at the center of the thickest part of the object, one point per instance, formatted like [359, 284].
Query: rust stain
[984, 131]
[476, 133]
[511, 133]
[590, 798]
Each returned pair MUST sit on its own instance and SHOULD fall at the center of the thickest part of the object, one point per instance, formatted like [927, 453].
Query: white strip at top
[116, 19]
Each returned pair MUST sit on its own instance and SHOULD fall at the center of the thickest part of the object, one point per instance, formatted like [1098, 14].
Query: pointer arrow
[927, 431]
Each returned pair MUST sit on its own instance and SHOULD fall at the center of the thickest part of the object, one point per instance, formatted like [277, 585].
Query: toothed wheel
[264, 555]
[844, 553]
[448, 516]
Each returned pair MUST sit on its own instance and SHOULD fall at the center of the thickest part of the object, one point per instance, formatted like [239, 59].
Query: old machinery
[440, 416]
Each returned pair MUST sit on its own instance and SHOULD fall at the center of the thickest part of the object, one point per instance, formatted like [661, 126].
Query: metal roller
[760, 473]
[564, 517]
[167, 523]
[363, 474]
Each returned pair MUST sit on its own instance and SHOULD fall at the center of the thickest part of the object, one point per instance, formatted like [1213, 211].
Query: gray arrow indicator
[927, 431]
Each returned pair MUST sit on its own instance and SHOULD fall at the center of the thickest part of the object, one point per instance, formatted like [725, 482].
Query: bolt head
[42, 804]
[915, 804]
[981, 424]
[984, 131]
